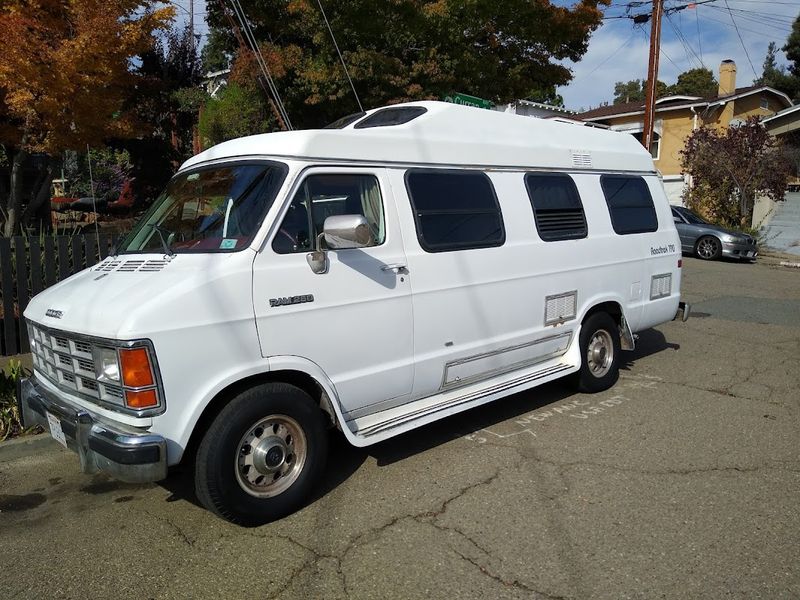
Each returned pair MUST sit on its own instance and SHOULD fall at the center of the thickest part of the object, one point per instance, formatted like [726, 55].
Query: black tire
[287, 417]
[602, 371]
[708, 247]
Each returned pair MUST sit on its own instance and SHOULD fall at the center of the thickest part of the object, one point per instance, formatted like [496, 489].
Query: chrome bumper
[126, 453]
[684, 308]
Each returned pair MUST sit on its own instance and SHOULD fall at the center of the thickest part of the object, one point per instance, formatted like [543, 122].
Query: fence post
[9, 329]
[22, 291]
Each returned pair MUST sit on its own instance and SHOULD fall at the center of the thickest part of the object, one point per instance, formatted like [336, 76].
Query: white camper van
[405, 265]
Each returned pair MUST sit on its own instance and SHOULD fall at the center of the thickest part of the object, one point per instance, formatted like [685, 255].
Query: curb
[25, 446]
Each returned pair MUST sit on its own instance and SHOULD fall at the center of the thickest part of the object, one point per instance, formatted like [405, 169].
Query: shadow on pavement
[345, 459]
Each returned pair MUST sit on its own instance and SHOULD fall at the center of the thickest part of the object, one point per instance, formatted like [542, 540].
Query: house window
[654, 147]
[629, 204]
[557, 208]
[454, 209]
[764, 103]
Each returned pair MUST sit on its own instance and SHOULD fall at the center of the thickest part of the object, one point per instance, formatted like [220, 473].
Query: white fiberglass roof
[452, 135]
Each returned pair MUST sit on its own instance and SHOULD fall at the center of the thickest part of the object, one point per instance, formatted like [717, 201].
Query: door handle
[395, 267]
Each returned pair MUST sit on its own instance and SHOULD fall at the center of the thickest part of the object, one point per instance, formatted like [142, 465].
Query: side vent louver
[581, 159]
[129, 266]
[560, 308]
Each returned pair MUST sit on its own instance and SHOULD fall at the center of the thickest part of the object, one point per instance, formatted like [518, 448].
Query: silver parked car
[710, 242]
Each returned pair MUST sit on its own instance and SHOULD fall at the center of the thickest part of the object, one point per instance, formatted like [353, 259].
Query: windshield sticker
[227, 244]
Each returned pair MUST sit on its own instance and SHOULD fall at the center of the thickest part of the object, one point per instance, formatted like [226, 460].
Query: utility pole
[652, 73]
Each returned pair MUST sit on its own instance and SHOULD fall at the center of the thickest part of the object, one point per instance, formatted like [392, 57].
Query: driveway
[680, 482]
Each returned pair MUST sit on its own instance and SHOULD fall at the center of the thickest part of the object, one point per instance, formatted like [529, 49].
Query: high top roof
[449, 135]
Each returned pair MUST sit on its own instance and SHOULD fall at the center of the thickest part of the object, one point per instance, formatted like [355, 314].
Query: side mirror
[677, 219]
[318, 261]
[342, 232]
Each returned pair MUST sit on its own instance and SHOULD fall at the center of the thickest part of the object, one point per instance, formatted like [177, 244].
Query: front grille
[67, 363]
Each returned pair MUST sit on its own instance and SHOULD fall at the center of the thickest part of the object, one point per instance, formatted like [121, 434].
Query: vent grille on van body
[561, 224]
[129, 266]
[581, 159]
[660, 286]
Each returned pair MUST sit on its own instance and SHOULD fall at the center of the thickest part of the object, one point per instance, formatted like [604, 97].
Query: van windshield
[214, 209]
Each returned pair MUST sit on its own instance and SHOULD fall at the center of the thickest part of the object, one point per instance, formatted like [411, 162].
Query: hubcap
[600, 353]
[270, 456]
[707, 248]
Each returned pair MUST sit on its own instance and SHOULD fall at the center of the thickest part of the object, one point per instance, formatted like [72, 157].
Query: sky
[618, 50]
[690, 38]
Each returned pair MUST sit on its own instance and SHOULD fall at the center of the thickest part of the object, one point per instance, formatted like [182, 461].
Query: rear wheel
[262, 454]
[708, 248]
[600, 348]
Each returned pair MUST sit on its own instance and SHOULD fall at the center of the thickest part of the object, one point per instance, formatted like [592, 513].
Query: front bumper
[737, 250]
[126, 453]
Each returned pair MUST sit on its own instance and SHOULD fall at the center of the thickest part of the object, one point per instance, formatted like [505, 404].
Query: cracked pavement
[680, 482]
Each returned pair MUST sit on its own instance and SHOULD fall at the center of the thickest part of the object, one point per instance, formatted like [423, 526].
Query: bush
[10, 424]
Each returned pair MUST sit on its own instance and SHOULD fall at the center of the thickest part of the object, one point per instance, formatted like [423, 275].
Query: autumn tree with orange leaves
[66, 80]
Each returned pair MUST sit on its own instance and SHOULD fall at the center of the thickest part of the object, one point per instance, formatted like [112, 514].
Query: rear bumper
[734, 250]
[126, 453]
[684, 309]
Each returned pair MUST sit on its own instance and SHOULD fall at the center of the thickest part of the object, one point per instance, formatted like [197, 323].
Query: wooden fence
[30, 264]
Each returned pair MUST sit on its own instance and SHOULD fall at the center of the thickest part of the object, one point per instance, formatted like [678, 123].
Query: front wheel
[262, 454]
[708, 248]
[599, 343]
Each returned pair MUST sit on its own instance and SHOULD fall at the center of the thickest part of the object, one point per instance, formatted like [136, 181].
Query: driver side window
[322, 196]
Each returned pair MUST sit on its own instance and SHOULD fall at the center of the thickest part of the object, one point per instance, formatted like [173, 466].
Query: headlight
[107, 365]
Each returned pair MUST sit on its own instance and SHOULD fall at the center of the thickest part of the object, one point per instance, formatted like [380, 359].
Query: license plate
[55, 430]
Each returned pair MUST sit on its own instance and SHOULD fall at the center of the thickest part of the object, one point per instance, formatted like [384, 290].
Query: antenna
[333, 37]
[94, 202]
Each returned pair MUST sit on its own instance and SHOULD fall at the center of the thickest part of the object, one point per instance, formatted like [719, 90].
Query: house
[677, 116]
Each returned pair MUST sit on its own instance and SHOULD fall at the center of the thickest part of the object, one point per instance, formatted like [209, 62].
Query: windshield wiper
[161, 231]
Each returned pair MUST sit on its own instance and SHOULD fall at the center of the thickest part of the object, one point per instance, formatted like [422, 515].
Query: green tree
[635, 90]
[236, 112]
[792, 48]
[695, 82]
[412, 49]
[775, 76]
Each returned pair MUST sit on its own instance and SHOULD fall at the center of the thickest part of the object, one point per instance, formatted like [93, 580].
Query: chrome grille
[68, 363]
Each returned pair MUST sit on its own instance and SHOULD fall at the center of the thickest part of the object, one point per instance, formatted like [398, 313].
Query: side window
[323, 196]
[629, 204]
[557, 208]
[454, 210]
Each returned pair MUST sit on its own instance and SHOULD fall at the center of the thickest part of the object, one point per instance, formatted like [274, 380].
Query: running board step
[402, 417]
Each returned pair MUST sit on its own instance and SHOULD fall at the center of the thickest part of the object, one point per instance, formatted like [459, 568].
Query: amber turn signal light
[135, 364]
[144, 399]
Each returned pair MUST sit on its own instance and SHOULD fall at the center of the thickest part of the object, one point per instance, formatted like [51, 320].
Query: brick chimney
[727, 77]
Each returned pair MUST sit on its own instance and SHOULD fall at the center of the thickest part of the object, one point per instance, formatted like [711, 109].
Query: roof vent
[391, 116]
[581, 159]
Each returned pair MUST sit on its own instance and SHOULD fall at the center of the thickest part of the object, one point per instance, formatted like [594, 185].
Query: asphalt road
[680, 482]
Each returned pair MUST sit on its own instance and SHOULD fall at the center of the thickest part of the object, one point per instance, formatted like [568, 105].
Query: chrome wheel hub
[270, 456]
[600, 353]
[707, 248]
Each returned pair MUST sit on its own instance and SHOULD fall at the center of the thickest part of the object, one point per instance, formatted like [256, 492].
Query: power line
[746, 53]
[344, 66]
[613, 54]
[251, 40]
[699, 36]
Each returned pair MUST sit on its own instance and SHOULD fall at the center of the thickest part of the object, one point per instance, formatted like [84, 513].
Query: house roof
[675, 102]
[448, 134]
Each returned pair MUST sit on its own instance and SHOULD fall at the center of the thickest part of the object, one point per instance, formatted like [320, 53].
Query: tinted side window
[629, 204]
[323, 196]
[454, 210]
[557, 208]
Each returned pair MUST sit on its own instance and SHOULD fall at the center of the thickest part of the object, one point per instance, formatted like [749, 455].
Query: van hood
[126, 296]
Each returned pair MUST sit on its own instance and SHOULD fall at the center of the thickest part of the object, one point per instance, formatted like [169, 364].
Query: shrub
[10, 424]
